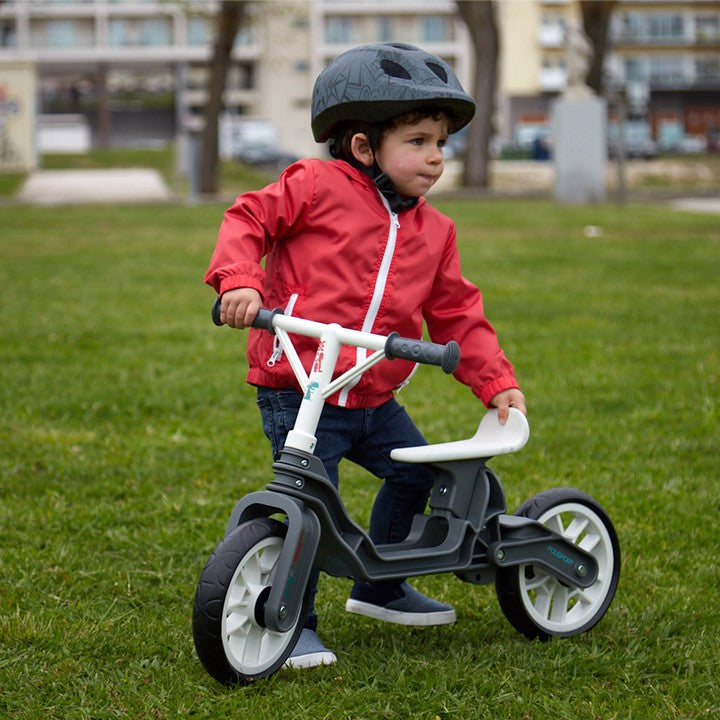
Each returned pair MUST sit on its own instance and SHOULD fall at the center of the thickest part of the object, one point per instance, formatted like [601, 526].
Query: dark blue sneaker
[401, 604]
[309, 652]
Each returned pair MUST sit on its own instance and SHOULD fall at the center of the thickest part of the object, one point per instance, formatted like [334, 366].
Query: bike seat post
[302, 436]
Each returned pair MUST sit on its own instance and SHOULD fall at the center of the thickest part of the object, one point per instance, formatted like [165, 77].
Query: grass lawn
[127, 433]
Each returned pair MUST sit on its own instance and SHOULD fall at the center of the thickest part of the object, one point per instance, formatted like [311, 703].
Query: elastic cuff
[233, 282]
[489, 391]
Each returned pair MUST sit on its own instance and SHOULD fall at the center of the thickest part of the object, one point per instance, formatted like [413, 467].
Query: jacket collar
[383, 185]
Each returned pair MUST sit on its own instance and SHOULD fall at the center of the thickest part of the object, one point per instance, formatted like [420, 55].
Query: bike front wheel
[535, 602]
[231, 639]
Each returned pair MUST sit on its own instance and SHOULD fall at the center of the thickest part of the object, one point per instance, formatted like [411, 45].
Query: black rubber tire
[518, 588]
[210, 614]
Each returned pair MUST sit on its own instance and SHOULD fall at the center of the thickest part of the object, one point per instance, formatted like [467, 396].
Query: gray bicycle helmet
[374, 83]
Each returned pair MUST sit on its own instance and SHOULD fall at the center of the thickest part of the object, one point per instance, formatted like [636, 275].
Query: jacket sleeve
[454, 311]
[255, 222]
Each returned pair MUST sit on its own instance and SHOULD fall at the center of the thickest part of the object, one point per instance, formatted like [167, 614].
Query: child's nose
[436, 155]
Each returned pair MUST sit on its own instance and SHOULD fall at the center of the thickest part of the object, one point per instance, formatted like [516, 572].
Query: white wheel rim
[553, 606]
[251, 649]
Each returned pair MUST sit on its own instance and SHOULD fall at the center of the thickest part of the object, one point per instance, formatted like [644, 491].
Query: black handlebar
[262, 321]
[215, 312]
[446, 357]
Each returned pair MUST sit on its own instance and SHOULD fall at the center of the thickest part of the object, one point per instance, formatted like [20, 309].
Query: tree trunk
[479, 16]
[596, 20]
[229, 19]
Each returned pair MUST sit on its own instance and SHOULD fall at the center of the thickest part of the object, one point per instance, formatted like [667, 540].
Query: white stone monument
[579, 129]
[17, 117]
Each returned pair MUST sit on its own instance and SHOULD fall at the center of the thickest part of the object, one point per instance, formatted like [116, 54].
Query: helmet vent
[395, 69]
[439, 70]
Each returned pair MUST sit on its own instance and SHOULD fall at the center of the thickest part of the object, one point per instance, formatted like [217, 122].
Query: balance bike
[555, 563]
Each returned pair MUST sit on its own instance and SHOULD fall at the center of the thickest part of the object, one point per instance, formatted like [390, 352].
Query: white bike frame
[319, 384]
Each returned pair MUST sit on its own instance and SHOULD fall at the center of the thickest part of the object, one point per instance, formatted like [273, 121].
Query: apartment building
[136, 68]
[671, 52]
[98, 57]
[664, 55]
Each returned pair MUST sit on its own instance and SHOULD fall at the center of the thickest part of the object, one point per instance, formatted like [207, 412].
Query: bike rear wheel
[539, 605]
[231, 639]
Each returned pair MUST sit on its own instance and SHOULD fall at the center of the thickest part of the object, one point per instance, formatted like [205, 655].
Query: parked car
[713, 136]
[637, 140]
[636, 149]
[264, 155]
[690, 145]
[255, 141]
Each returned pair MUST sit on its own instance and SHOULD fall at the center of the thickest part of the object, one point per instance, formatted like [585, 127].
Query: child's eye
[417, 141]
[442, 143]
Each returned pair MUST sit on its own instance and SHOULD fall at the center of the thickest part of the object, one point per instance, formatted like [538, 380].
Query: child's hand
[239, 307]
[506, 399]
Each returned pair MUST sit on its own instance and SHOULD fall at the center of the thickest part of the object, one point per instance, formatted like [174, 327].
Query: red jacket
[335, 253]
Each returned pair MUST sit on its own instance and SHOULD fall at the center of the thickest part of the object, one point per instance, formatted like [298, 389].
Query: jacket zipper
[377, 296]
[277, 352]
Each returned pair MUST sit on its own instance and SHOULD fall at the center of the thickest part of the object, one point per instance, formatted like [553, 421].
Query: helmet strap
[382, 181]
[386, 188]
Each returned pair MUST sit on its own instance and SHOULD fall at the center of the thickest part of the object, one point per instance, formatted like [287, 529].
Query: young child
[352, 241]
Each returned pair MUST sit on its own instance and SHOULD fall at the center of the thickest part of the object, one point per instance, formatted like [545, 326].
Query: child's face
[411, 155]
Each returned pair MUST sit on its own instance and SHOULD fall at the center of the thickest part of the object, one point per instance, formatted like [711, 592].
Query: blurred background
[78, 75]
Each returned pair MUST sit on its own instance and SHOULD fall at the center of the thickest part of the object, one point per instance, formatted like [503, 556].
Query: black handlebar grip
[215, 312]
[263, 319]
[445, 356]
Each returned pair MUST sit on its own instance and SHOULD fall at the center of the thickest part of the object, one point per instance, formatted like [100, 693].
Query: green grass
[127, 435]
[10, 183]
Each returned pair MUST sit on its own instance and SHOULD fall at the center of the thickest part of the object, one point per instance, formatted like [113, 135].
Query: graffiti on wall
[9, 109]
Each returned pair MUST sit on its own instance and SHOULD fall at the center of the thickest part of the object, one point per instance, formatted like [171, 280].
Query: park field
[127, 433]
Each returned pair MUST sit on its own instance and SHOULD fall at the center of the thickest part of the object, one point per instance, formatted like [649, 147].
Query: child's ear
[361, 150]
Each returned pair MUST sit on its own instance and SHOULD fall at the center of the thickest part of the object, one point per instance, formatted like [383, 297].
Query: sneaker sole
[443, 617]
[311, 660]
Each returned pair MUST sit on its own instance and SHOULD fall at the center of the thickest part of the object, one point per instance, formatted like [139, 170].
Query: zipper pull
[277, 353]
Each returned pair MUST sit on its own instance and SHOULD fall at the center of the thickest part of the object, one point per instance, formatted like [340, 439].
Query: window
[337, 30]
[667, 71]
[707, 28]
[665, 27]
[118, 33]
[385, 29]
[435, 28]
[155, 31]
[8, 38]
[245, 36]
[240, 76]
[199, 31]
[148, 32]
[707, 69]
[634, 70]
[60, 34]
[632, 27]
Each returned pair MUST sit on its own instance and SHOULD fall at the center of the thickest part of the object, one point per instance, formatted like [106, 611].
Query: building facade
[137, 68]
[664, 56]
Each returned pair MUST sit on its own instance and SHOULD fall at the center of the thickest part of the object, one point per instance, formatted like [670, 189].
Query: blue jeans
[365, 436]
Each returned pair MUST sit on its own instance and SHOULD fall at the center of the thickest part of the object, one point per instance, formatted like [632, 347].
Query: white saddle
[491, 439]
